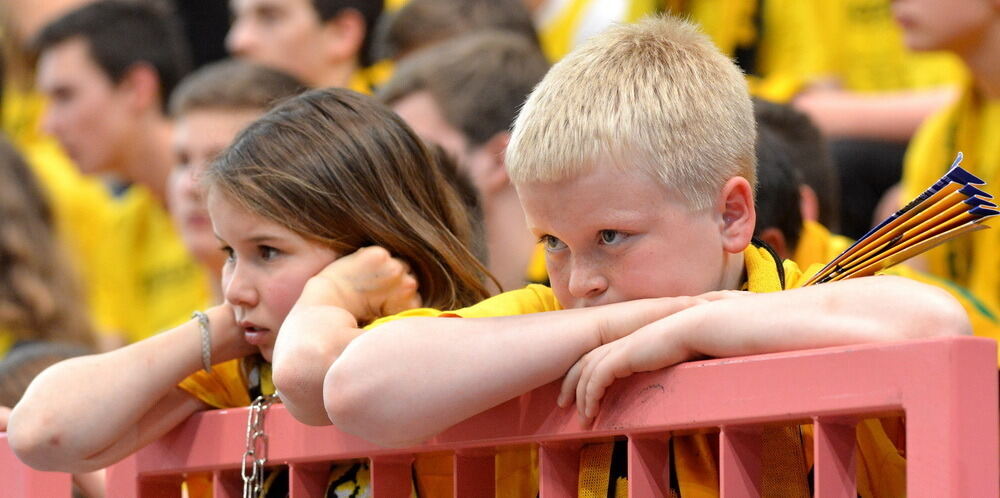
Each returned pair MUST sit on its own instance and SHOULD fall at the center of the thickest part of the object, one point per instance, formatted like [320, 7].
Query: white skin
[288, 35]
[199, 136]
[52, 429]
[644, 274]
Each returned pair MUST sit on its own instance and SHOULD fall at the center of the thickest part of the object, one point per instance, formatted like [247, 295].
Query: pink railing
[947, 389]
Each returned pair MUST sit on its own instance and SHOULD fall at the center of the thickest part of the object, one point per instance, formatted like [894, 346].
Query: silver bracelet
[206, 340]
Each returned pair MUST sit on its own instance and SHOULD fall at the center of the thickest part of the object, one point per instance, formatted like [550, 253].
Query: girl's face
[266, 268]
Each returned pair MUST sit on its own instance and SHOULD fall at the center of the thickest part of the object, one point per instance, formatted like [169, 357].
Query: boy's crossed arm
[407, 380]
[871, 309]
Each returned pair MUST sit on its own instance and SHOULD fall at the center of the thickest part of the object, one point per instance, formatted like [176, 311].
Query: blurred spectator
[39, 297]
[463, 95]
[209, 108]
[971, 30]
[107, 69]
[323, 43]
[424, 22]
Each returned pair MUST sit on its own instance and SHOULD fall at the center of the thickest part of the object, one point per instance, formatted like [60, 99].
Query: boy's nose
[239, 40]
[585, 282]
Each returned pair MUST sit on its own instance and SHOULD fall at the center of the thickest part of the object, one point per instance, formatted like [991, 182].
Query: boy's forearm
[408, 380]
[871, 309]
[311, 338]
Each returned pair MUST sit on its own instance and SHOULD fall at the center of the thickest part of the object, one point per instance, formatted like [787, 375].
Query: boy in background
[634, 162]
[463, 95]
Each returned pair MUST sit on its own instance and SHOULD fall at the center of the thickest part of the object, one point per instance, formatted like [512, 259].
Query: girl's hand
[369, 283]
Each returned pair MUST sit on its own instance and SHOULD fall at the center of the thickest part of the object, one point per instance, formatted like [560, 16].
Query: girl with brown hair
[330, 185]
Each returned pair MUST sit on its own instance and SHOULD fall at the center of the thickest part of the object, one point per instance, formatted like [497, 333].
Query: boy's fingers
[613, 366]
[593, 359]
[568, 390]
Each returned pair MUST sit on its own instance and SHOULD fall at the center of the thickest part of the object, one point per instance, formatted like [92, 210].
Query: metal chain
[255, 455]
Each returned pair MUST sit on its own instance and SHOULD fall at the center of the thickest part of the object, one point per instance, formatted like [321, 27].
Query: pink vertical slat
[475, 473]
[227, 484]
[559, 469]
[122, 479]
[392, 477]
[307, 479]
[21, 480]
[835, 464]
[952, 439]
[740, 463]
[648, 467]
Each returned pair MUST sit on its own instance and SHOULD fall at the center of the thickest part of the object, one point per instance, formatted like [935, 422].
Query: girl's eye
[267, 252]
[551, 243]
[610, 237]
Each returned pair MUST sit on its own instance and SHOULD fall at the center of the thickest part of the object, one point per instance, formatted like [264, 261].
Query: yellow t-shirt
[865, 51]
[163, 283]
[970, 126]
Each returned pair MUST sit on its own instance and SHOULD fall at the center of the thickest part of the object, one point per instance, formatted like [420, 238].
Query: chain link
[255, 455]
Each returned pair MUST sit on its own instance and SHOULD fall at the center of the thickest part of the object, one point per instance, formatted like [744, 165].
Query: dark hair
[479, 81]
[339, 168]
[120, 35]
[232, 85]
[420, 23]
[777, 199]
[370, 10]
[39, 295]
[469, 195]
[807, 152]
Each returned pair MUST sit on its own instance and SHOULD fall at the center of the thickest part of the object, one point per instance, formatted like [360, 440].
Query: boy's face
[613, 236]
[283, 34]
[937, 25]
[199, 136]
[87, 112]
[266, 268]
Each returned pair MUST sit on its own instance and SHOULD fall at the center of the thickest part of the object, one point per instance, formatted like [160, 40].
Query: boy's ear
[345, 35]
[141, 86]
[735, 203]
[494, 177]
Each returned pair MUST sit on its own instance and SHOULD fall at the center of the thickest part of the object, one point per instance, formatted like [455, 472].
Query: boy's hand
[369, 283]
[653, 346]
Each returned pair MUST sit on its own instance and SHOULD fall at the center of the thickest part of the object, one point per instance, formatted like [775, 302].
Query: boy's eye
[551, 243]
[610, 237]
[230, 255]
[267, 252]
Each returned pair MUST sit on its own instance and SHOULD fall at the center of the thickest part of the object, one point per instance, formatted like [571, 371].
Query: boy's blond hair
[656, 96]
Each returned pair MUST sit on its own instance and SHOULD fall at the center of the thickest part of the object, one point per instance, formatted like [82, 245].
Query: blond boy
[634, 162]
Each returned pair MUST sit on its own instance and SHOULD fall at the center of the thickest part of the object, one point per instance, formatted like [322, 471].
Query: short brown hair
[232, 85]
[478, 80]
[339, 168]
[421, 23]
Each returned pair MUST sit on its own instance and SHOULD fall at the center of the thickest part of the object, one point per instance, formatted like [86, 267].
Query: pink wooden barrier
[18, 480]
[947, 389]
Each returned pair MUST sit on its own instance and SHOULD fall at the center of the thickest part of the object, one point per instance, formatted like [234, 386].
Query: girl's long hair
[340, 168]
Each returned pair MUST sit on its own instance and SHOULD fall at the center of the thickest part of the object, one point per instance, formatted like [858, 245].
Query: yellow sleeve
[531, 299]
[223, 388]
